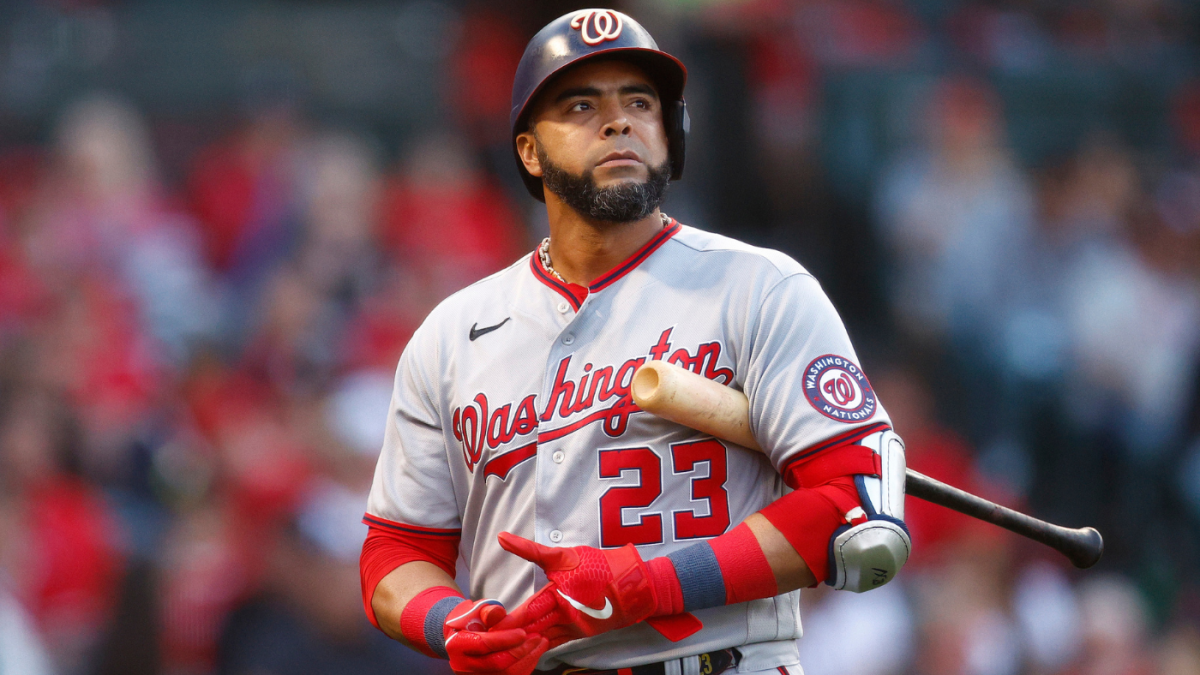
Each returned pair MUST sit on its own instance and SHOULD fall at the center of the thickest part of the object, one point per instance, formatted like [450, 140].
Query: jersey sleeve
[804, 382]
[413, 485]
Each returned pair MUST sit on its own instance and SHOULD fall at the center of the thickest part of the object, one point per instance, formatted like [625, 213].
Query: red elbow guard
[825, 496]
[839, 456]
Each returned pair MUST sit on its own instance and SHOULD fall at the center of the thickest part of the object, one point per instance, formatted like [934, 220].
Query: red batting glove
[591, 591]
[474, 650]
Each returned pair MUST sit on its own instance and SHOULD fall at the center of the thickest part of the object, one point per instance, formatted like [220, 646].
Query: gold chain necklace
[544, 254]
[544, 251]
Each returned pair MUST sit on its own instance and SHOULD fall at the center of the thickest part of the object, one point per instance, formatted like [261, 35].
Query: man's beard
[621, 203]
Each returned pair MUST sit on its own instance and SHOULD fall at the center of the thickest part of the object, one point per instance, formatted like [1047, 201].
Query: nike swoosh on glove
[472, 649]
[591, 591]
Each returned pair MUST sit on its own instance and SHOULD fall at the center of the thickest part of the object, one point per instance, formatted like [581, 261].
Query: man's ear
[527, 151]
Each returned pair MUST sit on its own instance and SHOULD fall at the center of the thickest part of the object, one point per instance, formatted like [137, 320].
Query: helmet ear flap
[678, 124]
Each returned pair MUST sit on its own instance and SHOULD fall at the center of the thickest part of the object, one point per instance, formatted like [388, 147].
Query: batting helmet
[588, 34]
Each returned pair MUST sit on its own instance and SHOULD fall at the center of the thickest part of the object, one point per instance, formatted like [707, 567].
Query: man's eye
[581, 106]
[642, 103]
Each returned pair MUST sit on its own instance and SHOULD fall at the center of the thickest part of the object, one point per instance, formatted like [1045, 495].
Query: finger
[502, 640]
[468, 643]
[498, 662]
[527, 611]
[520, 546]
[526, 648]
[532, 610]
[549, 558]
[559, 634]
[469, 618]
[515, 619]
[546, 625]
[526, 664]
[492, 615]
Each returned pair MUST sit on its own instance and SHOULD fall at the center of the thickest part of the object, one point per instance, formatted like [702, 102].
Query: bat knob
[1086, 548]
[644, 386]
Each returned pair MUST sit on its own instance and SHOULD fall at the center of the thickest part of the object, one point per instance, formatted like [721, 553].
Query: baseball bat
[679, 395]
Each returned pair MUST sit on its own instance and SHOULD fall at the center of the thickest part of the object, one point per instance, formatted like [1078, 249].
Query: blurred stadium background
[220, 222]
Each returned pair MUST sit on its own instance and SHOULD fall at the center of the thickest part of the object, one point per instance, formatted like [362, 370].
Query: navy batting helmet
[587, 34]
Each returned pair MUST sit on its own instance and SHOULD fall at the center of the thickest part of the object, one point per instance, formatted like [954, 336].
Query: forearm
[399, 587]
[752, 560]
[790, 570]
[828, 528]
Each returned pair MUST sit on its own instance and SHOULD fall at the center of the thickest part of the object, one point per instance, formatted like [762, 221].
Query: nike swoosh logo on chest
[476, 332]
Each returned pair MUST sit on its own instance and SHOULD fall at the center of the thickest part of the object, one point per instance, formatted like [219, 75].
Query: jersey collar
[576, 294]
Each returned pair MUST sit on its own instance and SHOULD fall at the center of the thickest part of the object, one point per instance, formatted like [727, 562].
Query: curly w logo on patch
[839, 389]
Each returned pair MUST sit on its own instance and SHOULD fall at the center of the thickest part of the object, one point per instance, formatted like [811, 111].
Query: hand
[472, 649]
[591, 591]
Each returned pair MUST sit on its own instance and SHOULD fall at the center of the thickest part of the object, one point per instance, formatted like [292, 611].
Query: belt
[711, 663]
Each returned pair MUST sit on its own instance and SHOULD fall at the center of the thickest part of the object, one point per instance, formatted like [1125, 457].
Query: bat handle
[1083, 546]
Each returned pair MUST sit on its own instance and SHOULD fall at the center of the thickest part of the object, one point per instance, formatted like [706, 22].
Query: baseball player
[599, 538]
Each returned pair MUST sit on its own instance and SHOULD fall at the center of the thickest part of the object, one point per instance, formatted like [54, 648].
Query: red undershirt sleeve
[390, 545]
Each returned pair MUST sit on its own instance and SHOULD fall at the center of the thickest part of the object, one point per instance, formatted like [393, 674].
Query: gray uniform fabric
[527, 428]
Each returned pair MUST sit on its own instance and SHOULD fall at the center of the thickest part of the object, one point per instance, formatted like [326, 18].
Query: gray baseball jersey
[511, 412]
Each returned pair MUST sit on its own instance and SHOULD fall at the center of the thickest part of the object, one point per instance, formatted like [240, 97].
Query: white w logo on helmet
[605, 23]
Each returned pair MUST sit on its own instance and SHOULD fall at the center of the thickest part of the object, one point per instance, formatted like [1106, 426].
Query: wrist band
[667, 591]
[700, 578]
[728, 569]
[423, 619]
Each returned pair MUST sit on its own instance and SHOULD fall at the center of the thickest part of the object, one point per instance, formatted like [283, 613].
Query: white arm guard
[869, 554]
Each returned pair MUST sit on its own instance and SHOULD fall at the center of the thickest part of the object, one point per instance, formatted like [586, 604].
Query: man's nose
[618, 121]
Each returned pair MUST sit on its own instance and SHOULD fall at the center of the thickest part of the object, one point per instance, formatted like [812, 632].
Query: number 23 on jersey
[687, 462]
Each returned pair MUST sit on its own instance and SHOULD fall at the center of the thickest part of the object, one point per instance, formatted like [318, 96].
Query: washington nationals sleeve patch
[839, 389]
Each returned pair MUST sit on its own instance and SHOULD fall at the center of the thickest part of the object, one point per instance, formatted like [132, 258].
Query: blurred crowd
[198, 339]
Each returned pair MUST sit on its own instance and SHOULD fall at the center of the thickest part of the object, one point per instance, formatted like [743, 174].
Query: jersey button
[569, 339]
[558, 456]
[563, 307]
[555, 536]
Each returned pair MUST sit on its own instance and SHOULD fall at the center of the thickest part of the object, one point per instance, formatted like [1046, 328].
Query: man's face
[597, 139]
